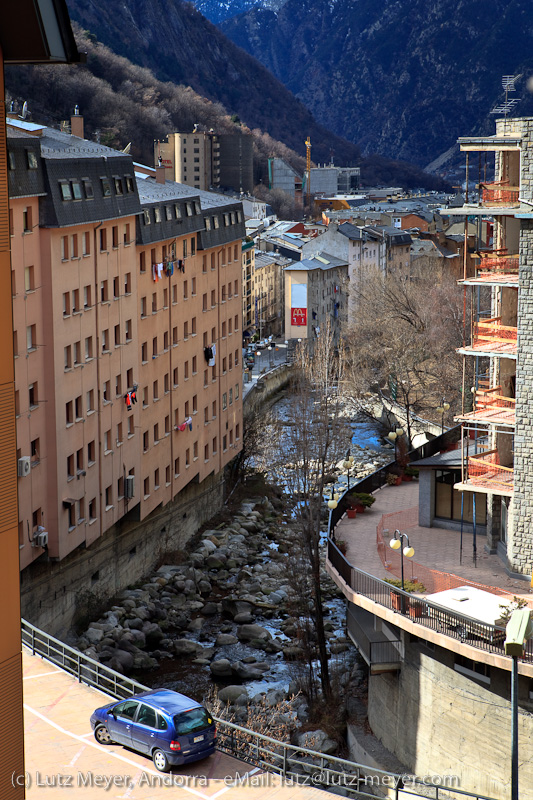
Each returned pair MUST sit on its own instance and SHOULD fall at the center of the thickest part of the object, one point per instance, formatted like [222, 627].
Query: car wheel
[101, 734]
[160, 761]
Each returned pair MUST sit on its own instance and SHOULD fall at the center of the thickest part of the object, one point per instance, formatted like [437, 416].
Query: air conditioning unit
[41, 539]
[129, 486]
[23, 466]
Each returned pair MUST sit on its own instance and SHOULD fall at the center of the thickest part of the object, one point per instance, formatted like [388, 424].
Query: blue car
[166, 725]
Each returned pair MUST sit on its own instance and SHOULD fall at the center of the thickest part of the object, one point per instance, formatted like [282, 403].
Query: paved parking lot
[64, 760]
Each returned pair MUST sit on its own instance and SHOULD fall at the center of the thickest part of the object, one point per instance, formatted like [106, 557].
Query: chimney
[76, 123]
[160, 171]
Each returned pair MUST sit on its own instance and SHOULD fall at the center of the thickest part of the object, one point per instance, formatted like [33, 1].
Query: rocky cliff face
[220, 10]
[401, 77]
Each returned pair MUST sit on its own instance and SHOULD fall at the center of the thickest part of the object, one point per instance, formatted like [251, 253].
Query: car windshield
[194, 720]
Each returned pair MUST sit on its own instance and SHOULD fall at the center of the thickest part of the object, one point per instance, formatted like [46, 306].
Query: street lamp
[517, 631]
[442, 409]
[332, 504]
[347, 465]
[393, 436]
[407, 551]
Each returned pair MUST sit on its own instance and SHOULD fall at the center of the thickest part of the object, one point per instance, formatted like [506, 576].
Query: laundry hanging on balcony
[208, 354]
[211, 362]
[130, 398]
[157, 271]
[184, 425]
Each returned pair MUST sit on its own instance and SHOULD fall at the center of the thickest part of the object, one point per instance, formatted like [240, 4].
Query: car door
[119, 721]
[144, 730]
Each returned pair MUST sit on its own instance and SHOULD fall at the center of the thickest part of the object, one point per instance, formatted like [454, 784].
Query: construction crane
[308, 170]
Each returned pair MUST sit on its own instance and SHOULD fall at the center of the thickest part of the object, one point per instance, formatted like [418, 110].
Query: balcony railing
[499, 193]
[485, 470]
[481, 635]
[491, 408]
[489, 335]
[381, 654]
[496, 264]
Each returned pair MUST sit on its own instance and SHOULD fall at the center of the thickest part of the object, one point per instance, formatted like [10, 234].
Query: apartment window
[108, 498]
[76, 301]
[143, 307]
[213, 264]
[156, 480]
[88, 188]
[145, 396]
[186, 370]
[154, 302]
[176, 467]
[175, 336]
[185, 290]
[236, 288]
[66, 304]
[103, 239]
[31, 342]
[106, 187]
[79, 460]
[230, 361]
[204, 302]
[129, 329]
[105, 341]
[145, 441]
[204, 263]
[157, 214]
[231, 397]
[74, 245]
[77, 353]
[167, 475]
[91, 453]
[224, 401]
[187, 457]
[129, 376]
[236, 391]
[206, 377]
[224, 294]
[70, 467]
[131, 426]
[165, 341]
[69, 412]
[155, 389]
[175, 377]
[186, 330]
[89, 397]
[167, 425]
[213, 299]
[214, 448]
[236, 322]
[120, 437]
[154, 347]
[193, 246]
[174, 294]
[66, 192]
[92, 509]
[126, 233]
[177, 211]
[156, 433]
[107, 392]
[78, 408]
[117, 335]
[185, 248]
[86, 297]
[144, 352]
[146, 487]
[236, 357]
[237, 431]
[206, 415]
[118, 385]
[224, 330]
[230, 326]
[104, 292]
[224, 365]
[88, 348]
[142, 262]
[165, 298]
[224, 443]
[166, 383]
[35, 450]
[116, 289]
[195, 404]
[186, 408]
[193, 326]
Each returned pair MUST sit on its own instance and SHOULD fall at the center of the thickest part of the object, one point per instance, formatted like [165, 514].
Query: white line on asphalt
[41, 675]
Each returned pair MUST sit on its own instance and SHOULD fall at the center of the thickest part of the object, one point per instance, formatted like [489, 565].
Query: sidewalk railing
[294, 764]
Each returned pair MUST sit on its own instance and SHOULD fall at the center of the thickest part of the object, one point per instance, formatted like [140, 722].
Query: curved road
[64, 760]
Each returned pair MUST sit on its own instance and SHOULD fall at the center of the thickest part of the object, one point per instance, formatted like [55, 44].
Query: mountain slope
[173, 40]
[401, 77]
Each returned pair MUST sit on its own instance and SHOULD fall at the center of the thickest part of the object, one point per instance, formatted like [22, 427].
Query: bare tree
[403, 340]
[309, 448]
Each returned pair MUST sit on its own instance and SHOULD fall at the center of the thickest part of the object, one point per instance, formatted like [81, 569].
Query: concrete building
[335, 180]
[206, 160]
[282, 176]
[127, 333]
[248, 270]
[268, 293]
[316, 293]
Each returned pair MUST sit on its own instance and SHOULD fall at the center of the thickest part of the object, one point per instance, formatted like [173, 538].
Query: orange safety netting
[484, 469]
[498, 264]
[433, 580]
[499, 193]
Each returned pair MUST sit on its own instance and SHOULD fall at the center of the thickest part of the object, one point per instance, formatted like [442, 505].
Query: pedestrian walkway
[62, 757]
[435, 548]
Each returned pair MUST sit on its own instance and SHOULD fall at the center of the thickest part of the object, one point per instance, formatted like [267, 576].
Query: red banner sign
[298, 316]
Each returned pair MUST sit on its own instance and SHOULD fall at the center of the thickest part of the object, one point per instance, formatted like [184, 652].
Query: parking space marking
[40, 675]
[108, 752]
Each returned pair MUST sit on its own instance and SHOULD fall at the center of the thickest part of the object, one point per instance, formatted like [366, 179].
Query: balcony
[491, 338]
[380, 653]
[491, 408]
[485, 473]
[499, 193]
[496, 268]
[441, 565]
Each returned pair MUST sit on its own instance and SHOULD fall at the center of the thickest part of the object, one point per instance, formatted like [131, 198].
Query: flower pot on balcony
[415, 609]
[407, 478]
[351, 513]
[396, 600]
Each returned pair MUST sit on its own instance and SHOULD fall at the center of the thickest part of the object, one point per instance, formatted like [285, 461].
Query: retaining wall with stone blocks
[54, 595]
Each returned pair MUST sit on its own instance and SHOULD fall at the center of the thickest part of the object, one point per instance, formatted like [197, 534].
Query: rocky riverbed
[225, 617]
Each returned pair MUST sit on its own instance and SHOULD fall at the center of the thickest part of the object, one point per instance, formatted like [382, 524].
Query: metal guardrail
[377, 651]
[294, 764]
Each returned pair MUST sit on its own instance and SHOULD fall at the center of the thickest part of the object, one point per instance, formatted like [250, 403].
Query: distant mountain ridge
[220, 10]
[401, 77]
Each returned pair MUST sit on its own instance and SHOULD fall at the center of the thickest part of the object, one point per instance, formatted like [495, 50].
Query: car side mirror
[111, 713]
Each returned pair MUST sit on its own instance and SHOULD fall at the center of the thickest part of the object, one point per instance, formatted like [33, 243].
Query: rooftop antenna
[508, 85]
